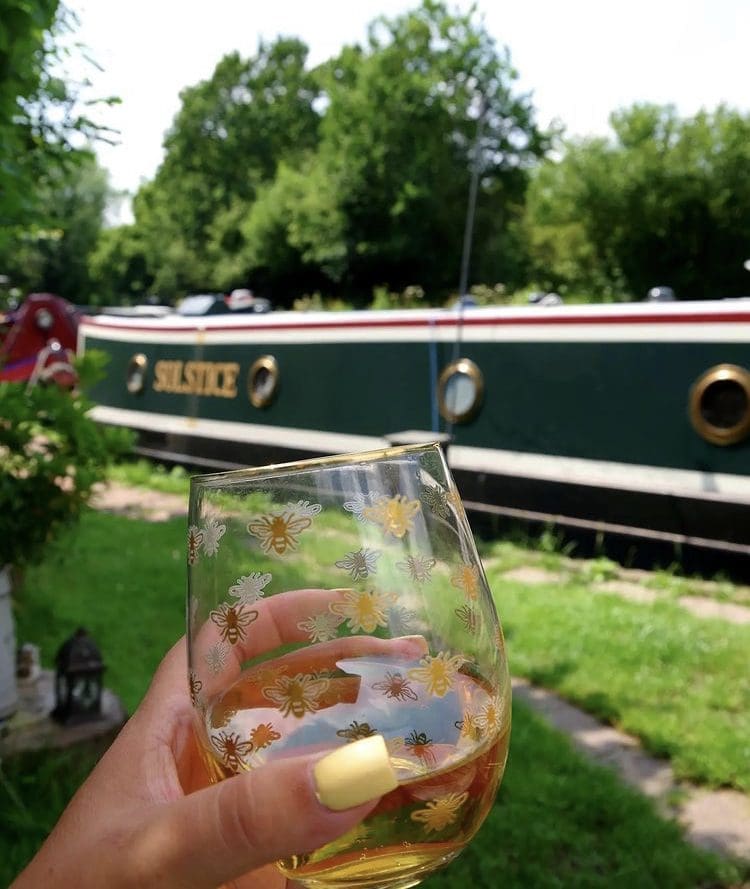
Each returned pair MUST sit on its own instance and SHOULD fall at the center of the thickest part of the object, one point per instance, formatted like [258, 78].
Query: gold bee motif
[420, 746]
[466, 578]
[363, 610]
[195, 538]
[401, 620]
[396, 686]
[490, 718]
[468, 617]
[321, 627]
[279, 532]
[233, 621]
[232, 749]
[469, 727]
[355, 731]
[216, 657]
[360, 564]
[419, 568]
[269, 675]
[437, 673]
[211, 534]
[222, 714]
[436, 499]
[440, 812]
[263, 735]
[195, 686]
[297, 695]
[395, 515]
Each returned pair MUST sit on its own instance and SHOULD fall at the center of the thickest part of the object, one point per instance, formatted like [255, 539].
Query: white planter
[8, 687]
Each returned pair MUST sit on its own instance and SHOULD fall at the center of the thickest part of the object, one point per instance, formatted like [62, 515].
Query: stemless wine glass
[337, 598]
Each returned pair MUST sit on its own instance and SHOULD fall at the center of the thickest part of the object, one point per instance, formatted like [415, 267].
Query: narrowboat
[38, 341]
[620, 419]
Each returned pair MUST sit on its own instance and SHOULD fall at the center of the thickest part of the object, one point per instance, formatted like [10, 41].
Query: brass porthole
[719, 404]
[135, 378]
[263, 381]
[460, 391]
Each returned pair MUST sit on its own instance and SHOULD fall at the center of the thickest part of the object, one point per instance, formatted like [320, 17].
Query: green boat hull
[600, 403]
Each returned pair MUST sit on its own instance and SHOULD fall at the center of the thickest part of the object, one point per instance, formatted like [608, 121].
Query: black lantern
[78, 683]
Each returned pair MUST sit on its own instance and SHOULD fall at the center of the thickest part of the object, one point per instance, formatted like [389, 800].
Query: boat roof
[729, 310]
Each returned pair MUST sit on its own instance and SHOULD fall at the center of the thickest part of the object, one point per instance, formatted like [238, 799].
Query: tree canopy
[399, 139]
[666, 201]
[348, 176]
[223, 147]
[353, 178]
[52, 192]
[24, 25]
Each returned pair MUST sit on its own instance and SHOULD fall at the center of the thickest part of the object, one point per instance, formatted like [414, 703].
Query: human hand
[147, 817]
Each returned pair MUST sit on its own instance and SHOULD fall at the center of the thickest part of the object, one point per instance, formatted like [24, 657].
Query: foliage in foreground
[51, 455]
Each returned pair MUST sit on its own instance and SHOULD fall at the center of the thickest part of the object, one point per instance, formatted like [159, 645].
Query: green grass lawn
[124, 581]
[155, 476]
[562, 822]
[678, 682]
[559, 821]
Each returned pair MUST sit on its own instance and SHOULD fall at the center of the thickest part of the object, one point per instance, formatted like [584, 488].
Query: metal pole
[471, 209]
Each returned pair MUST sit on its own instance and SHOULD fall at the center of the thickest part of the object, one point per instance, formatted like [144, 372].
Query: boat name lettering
[217, 378]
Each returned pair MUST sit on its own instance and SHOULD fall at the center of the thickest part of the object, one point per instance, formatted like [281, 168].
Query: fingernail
[354, 774]
[411, 646]
[417, 640]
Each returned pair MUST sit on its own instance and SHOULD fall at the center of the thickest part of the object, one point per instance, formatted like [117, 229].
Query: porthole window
[135, 378]
[263, 381]
[719, 404]
[44, 319]
[460, 391]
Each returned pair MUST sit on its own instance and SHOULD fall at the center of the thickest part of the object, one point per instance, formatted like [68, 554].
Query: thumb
[284, 808]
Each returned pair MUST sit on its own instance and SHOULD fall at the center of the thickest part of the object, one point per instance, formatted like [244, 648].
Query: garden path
[715, 819]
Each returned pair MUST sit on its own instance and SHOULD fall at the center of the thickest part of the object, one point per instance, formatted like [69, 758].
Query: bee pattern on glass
[233, 621]
[418, 744]
[396, 686]
[279, 531]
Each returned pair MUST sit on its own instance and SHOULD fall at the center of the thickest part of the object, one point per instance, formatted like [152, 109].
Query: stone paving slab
[700, 606]
[32, 727]
[633, 592]
[716, 820]
[533, 574]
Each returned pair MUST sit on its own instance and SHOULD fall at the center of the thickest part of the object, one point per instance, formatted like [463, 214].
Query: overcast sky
[580, 59]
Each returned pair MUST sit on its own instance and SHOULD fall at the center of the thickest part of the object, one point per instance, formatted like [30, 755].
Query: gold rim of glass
[255, 472]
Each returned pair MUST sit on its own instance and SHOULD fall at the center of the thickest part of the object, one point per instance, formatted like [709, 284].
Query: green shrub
[51, 454]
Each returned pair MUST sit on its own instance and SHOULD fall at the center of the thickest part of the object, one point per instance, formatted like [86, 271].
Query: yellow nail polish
[354, 774]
